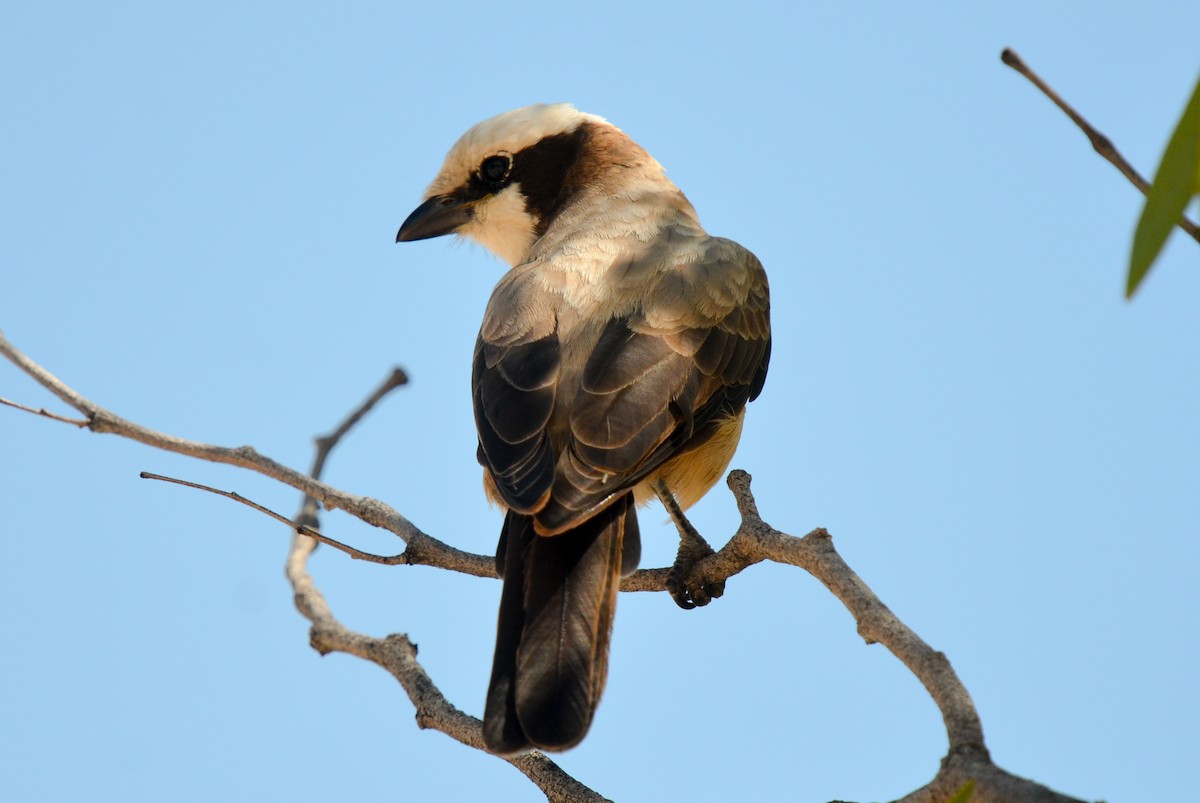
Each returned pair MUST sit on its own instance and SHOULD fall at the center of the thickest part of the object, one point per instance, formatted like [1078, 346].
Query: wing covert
[514, 389]
[693, 352]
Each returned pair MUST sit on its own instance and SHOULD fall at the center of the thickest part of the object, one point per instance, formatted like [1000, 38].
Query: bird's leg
[686, 590]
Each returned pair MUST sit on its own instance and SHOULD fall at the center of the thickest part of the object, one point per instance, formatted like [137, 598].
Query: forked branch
[395, 653]
[755, 541]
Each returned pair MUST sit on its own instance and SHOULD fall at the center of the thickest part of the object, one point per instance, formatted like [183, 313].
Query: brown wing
[514, 388]
[693, 352]
[514, 384]
[695, 349]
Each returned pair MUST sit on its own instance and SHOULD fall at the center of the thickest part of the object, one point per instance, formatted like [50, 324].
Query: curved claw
[679, 592]
[703, 593]
[689, 588]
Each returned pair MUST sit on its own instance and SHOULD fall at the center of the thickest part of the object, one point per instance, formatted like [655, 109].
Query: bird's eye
[495, 168]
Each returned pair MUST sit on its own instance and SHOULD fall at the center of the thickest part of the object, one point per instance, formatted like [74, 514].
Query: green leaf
[964, 793]
[1177, 180]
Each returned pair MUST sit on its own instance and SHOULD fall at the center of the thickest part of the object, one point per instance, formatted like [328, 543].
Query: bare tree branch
[816, 554]
[325, 443]
[1102, 144]
[420, 548]
[396, 653]
[755, 541]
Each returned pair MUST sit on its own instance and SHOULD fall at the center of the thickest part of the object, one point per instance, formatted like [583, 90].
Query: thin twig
[301, 529]
[1102, 144]
[325, 443]
[42, 411]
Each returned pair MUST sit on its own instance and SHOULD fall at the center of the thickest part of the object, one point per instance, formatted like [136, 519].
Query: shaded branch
[1102, 144]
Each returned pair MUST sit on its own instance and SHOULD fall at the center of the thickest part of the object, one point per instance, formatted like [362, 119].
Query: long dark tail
[556, 614]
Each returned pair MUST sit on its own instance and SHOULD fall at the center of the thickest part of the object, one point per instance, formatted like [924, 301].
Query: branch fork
[754, 541]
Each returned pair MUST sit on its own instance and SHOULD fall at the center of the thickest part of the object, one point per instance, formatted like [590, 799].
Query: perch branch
[1102, 144]
[967, 758]
[753, 542]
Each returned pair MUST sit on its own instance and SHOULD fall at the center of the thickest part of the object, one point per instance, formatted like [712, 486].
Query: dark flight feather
[556, 615]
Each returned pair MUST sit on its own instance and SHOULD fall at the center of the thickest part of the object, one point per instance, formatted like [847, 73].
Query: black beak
[441, 214]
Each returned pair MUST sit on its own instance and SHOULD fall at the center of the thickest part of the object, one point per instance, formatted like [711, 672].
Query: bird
[613, 366]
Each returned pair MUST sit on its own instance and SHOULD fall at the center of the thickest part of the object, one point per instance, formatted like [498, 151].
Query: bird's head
[508, 178]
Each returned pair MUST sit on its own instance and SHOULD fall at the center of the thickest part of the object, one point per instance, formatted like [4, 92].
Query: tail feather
[501, 730]
[556, 615]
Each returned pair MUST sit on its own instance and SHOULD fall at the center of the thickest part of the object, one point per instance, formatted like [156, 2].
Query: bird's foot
[688, 586]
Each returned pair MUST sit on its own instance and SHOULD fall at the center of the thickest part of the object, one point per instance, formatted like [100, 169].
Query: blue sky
[199, 206]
